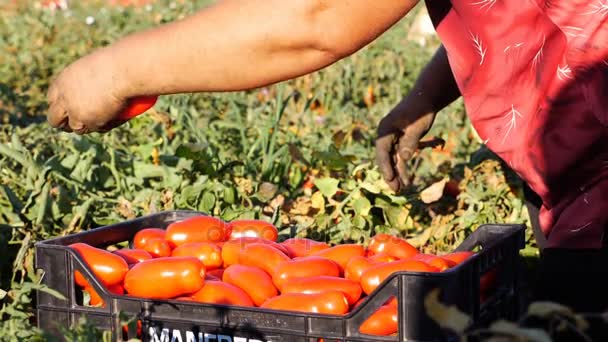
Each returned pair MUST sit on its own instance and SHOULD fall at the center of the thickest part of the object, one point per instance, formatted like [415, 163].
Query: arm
[232, 45]
[401, 129]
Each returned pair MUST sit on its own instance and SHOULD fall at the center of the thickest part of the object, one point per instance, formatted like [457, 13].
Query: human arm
[400, 131]
[231, 45]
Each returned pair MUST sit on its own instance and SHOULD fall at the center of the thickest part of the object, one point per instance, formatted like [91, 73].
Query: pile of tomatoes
[207, 260]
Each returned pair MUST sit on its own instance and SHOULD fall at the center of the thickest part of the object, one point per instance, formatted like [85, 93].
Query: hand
[399, 134]
[86, 96]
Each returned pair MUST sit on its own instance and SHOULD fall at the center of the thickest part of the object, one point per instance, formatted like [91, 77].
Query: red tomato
[382, 322]
[164, 278]
[358, 302]
[140, 238]
[117, 289]
[137, 106]
[433, 260]
[458, 257]
[218, 292]
[341, 253]
[94, 298]
[157, 247]
[375, 275]
[108, 268]
[253, 280]
[382, 258]
[318, 284]
[391, 245]
[356, 266]
[208, 253]
[133, 256]
[218, 273]
[300, 247]
[328, 302]
[197, 229]
[263, 256]
[186, 298]
[304, 267]
[232, 248]
[253, 228]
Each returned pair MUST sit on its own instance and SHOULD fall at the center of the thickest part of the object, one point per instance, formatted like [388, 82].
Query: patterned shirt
[534, 79]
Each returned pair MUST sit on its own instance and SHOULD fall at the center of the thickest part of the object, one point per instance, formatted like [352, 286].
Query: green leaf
[328, 186]
[207, 203]
[362, 206]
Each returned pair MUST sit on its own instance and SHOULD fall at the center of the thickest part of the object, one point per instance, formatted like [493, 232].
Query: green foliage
[299, 153]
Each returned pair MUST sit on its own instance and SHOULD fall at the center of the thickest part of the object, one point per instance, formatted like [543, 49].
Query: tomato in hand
[218, 292]
[253, 280]
[304, 267]
[166, 277]
[375, 275]
[318, 284]
[137, 106]
[253, 228]
[392, 246]
[133, 256]
[263, 256]
[140, 238]
[197, 229]
[300, 247]
[208, 253]
[108, 268]
[328, 302]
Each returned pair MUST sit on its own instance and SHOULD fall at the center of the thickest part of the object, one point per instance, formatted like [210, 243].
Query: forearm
[239, 44]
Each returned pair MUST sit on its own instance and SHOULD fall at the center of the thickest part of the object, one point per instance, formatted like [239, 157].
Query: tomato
[356, 266]
[375, 275]
[166, 277]
[218, 273]
[458, 257]
[232, 248]
[300, 247]
[133, 256]
[383, 322]
[253, 280]
[117, 289]
[435, 261]
[392, 301]
[107, 267]
[358, 302]
[382, 258]
[208, 253]
[137, 106]
[253, 228]
[157, 247]
[341, 253]
[328, 302]
[304, 267]
[487, 281]
[218, 292]
[197, 229]
[140, 238]
[351, 289]
[391, 245]
[186, 298]
[263, 256]
[94, 298]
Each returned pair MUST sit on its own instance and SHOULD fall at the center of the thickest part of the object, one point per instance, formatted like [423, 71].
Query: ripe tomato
[140, 238]
[94, 298]
[435, 261]
[208, 253]
[109, 268]
[458, 257]
[253, 280]
[218, 292]
[164, 278]
[356, 266]
[318, 284]
[341, 253]
[157, 247]
[263, 256]
[375, 275]
[137, 106]
[328, 302]
[133, 256]
[304, 267]
[300, 247]
[253, 228]
[117, 289]
[391, 245]
[383, 322]
[382, 258]
[197, 229]
[232, 248]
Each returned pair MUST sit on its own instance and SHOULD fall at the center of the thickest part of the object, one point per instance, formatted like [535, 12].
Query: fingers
[384, 160]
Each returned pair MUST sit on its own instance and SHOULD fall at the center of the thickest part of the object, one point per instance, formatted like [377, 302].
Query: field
[299, 154]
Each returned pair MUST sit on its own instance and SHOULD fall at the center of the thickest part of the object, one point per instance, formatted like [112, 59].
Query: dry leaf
[434, 192]
[318, 201]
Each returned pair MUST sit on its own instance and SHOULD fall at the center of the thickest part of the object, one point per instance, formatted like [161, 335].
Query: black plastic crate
[164, 320]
